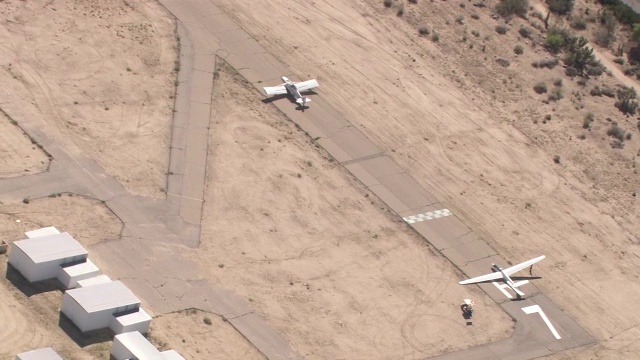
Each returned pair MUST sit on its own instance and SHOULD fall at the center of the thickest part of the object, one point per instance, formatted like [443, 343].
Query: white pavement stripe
[427, 216]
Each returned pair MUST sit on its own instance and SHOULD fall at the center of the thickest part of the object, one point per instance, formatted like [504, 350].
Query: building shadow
[86, 338]
[30, 289]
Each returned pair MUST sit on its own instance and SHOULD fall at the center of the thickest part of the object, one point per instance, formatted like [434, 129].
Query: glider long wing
[524, 265]
[497, 275]
[275, 90]
[307, 85]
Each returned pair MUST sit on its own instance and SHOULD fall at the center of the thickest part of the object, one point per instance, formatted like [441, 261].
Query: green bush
[555, 95]
[525, 32]
[540, 88]
[616, 131]
[580, 56]
[588, 119]
[627, 106]
[387, 3]
[508, 8]
[545, 63]
[554, 43]
[594, 70]
[560, 7]
[518, 50]
[621, 11]
[571, 72]
[501, 29]
[579, 23]
[608, 92]
[625, 92]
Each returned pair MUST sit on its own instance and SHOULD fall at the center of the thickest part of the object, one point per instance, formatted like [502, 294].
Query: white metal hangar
[94, 307]
[42, 257]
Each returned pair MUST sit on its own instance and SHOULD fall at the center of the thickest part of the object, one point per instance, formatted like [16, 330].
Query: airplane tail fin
[303, 101]
[515, 286]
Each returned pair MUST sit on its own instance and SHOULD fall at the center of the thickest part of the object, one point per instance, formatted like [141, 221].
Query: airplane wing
[275, 90]
[307, 85]
[488, 277]
[524, 265]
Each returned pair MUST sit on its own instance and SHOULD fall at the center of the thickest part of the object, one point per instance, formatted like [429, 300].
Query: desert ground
[321, 259]
[18, 155]
[198, 335]
[97, 75]
[474, 133]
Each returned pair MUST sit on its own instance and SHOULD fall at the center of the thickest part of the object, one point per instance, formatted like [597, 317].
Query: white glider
[500, 273]
[293, 89]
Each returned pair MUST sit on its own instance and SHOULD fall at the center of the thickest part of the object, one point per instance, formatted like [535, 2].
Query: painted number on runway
[536, 309]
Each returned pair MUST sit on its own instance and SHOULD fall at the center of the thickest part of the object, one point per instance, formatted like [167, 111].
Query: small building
[97, 280]
[70, 275]
[133, 345]
[138, 321]
[41, 257]
[39, 354]
[93, 307]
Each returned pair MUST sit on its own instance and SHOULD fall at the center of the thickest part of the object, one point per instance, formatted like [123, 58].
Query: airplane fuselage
[507, 280]
[291, 89]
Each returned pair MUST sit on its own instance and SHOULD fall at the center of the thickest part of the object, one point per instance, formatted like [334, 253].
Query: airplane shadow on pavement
[273, 98]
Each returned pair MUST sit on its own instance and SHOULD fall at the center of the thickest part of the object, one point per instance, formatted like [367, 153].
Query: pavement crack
[238, 316]
[482, 258]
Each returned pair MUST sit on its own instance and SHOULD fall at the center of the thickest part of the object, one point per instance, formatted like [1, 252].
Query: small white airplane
[293, 89]
[500, 273]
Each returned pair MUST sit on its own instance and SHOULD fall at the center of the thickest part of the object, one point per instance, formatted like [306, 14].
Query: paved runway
[170, 282]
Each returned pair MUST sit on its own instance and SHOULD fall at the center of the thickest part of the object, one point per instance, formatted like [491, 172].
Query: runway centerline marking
[536, 309]
[427, 216]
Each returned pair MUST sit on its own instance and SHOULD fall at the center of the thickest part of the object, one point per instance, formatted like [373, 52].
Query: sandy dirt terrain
[18, 155]
[474, 133]
[98, 76]
[87, 220]
[31, 319]
[198, 335]
[317, 256]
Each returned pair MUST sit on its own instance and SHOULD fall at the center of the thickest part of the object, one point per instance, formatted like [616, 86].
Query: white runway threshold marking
[504, 287]
[427, 216]
[536, 309]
